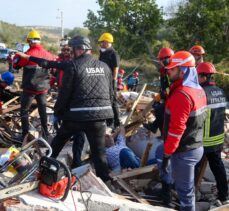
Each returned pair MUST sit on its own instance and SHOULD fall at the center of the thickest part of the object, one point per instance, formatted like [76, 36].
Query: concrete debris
[92, 193]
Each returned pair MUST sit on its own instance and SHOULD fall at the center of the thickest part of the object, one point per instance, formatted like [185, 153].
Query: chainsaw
[20, 174]
[55, 179]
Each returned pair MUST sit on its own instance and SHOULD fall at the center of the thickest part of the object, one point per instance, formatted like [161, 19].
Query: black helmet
[80, 43]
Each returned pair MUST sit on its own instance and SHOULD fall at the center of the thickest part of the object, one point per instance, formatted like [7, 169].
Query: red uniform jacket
[185, 112]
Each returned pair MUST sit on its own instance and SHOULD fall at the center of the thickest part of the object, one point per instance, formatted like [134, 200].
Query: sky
[46, 12]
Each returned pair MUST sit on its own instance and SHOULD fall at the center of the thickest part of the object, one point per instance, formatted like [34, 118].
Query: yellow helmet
[106, 37]
[33, 35]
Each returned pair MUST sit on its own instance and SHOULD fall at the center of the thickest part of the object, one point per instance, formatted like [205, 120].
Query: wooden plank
[139, 119]
[124, 185]
[135, 104]
[10, 101]
[136, 172]
[13, 108]
[201, 172]
[146, 154]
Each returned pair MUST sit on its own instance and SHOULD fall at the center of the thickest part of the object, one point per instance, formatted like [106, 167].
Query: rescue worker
[109, 56]
[35, 82]
[10, 61]
[65, 55]
[78, 138]
[214, 127]
[159, 105]
[6, 79]
[84, 101]
[183, 126]
[120, 84]
[133, 81]
[121, 73]
[198, 52]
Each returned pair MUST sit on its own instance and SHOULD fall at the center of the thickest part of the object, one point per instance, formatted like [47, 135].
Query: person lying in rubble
[119, 155]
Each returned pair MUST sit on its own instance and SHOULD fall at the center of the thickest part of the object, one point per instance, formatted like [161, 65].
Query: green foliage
[78, 31]
[202, 22]
[132, 23]
[11, 34]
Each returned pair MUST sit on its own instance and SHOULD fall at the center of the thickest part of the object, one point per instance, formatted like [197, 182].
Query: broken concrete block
[206, 187]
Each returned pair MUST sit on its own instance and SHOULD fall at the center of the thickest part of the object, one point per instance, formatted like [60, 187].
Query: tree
[78, 31]
[132, 23]
[202, 22]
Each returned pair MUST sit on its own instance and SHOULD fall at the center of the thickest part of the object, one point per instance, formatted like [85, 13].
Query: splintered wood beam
[139, 119]
[4, 111]
[135, 104]
[10, 101]
[125, 186]
[146, 154]
[201, 172]
[137, 172]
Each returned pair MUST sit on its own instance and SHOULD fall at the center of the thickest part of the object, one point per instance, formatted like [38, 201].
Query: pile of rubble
[130, 189]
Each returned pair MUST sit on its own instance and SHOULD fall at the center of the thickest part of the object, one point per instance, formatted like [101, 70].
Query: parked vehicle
[2, 45]
[4, 53]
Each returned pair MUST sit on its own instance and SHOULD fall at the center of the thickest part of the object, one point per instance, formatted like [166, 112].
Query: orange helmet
[181, 58]
[165, 52]
[121, 71]
[197, 49]
[206, 68]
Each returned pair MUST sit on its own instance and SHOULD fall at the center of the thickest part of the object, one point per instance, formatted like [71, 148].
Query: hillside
[11, 34]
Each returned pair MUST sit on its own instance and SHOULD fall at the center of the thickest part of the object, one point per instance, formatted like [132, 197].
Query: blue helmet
[8, 78]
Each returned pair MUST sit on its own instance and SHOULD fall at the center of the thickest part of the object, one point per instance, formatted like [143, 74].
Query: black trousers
[218, 170]
[77, 148]
[26, 102]
[95, 132]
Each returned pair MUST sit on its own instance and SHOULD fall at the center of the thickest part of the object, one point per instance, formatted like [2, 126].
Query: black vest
[214, 124]
[91, 96]
[35, 78]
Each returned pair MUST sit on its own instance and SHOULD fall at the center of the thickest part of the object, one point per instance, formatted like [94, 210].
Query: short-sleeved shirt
[112, 153]
[110, 57]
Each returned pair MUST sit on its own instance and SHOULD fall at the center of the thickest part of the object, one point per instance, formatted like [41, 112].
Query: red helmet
[121, 71]
[181, 58]
[119, 79]
[136, 74]
[206, 68]
[165, 52]
[197, 49]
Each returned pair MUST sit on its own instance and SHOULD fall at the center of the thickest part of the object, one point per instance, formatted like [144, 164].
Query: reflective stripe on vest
[91, 108]
[214, 140]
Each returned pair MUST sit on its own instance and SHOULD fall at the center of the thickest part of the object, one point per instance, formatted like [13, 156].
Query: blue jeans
[128, 159]
[183, 165]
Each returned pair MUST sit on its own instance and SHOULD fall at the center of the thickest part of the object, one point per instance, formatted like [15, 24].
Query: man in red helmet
[121, 73]
[163, 57]
[198, 52]
[133, 81]
[214, 128]
[183, 126]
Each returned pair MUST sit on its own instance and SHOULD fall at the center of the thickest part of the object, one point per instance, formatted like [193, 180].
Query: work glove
[165, 163]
